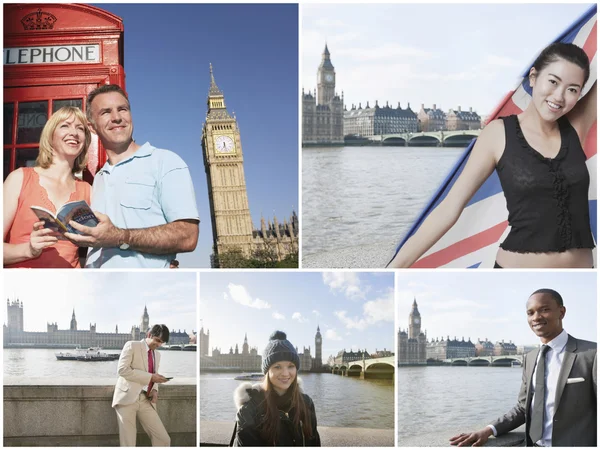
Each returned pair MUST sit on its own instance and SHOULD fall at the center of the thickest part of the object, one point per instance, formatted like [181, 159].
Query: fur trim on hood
[241, 394]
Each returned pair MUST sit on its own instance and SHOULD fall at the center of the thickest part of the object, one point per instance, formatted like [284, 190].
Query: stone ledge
[82, 415]
[213, 433]
[515, 438]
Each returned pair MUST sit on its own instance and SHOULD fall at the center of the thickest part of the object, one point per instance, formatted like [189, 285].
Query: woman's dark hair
[269, 427]
[569, 52]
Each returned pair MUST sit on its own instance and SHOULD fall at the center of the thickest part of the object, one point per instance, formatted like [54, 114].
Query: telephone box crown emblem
[39, 20]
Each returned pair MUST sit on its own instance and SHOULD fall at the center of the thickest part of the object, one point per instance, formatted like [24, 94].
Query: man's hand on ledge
[476, 439]
[158, 378]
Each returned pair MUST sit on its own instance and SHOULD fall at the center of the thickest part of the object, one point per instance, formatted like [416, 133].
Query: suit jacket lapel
[144, 354]
[565, 369]
[531, 364]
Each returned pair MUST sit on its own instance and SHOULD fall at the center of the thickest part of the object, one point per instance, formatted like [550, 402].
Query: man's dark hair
[104, 89]
[161, 332]
[552, 293]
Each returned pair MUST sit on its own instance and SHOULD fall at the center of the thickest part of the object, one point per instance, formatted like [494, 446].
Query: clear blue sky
[492, 304]
[353, 309]
[254, 53]
[104, 298]
[449, 54]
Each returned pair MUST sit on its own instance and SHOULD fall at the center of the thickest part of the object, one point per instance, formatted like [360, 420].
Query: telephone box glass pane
[57, 104]
[6, 162]
[9, 109]
[32, 118]
[26, 157]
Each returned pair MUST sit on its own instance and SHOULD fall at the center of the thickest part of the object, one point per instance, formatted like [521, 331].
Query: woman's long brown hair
[269, 427]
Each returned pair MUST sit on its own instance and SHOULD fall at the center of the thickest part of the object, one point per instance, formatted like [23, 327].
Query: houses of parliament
[249, 359]
[15, 336]
[323, 111]
[232, 226]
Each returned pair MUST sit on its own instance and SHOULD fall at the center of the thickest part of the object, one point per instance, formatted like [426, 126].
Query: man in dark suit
[557, 400]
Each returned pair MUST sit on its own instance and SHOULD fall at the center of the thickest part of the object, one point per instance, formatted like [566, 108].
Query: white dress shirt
[554, 359]
[146, 348]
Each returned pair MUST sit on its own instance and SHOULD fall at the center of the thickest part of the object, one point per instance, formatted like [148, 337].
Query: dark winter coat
[250, 401]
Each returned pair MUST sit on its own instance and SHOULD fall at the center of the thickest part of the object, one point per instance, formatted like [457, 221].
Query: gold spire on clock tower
[224, 165]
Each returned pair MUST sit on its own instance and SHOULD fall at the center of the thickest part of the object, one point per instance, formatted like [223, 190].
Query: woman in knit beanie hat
[276, 412]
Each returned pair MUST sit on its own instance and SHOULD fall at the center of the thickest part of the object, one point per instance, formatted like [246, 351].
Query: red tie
[150, 369]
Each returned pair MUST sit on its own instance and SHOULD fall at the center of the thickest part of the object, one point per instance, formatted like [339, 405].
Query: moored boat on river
[88, 354]
[250, 377]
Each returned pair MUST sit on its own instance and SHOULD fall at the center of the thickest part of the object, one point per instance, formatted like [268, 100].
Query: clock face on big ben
[417, 320]
[329, 77]
[224, 145]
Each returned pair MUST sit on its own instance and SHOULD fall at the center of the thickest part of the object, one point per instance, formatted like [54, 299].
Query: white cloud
[316, 313]
[332, 335]
[374, 311]
[278, 316]
[240, 295]
[345, 282]
[298, 317]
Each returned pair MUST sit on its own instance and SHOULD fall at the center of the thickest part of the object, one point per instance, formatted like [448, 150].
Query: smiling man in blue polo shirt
[143, 196]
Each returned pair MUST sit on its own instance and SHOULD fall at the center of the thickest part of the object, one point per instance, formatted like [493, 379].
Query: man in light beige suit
[136, 392]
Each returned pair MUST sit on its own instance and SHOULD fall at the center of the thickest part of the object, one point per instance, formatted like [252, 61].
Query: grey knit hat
[279, 349]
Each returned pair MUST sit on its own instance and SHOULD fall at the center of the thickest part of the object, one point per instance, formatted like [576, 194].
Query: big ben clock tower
[325, 79]
[414, 322]
[224, 165]
[318, 363]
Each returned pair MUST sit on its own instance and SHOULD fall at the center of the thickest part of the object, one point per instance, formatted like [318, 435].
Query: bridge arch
[394, 141]
[380, 370]
[503, 361]
[477, 362]
[424, 141]
[354, 370]
[458, 140]
[460, 362]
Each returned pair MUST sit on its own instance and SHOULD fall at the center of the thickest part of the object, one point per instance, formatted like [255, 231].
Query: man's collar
[145, 344]
[144, 150]
[559, 342]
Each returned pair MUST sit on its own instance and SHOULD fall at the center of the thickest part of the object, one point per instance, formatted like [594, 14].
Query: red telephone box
[54, 55]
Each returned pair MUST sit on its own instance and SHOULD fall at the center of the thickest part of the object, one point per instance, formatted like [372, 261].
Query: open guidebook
[78, 211]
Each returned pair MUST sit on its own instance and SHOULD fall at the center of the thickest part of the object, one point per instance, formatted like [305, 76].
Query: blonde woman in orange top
[50, 184]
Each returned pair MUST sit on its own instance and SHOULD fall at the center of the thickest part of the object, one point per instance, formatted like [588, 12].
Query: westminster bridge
[380, 368]
[479, 361]
[459, 138]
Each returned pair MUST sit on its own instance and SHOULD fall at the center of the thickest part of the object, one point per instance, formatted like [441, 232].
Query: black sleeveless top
[547, 198]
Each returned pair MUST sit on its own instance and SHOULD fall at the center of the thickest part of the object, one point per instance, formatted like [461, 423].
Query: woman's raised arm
[482, 161]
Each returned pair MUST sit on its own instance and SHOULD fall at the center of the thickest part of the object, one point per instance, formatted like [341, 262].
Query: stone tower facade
[228, 198]
[73, 322]
[145, 322]
[224, 165]
[412, 346]
[318, 362]
[14, 314]
[322, 113]
[204, 340]
[414, 321]
[245, 347]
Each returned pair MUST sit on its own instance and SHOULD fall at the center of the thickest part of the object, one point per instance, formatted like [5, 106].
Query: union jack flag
[474, 240]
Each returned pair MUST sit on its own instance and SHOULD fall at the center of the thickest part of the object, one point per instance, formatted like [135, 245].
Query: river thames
[42, 363]
[358, 202]
[434, 399]
[339, 401]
